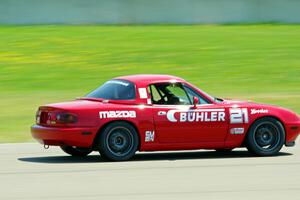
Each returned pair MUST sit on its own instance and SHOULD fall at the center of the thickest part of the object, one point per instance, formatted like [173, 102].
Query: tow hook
[46, 146]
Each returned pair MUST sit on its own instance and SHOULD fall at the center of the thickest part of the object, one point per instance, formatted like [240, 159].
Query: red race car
[158, 113]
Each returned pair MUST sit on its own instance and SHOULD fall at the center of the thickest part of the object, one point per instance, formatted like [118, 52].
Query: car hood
[249, 104]
[261, 108]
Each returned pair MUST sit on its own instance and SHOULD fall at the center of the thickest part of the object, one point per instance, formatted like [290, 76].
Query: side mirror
[195, 101]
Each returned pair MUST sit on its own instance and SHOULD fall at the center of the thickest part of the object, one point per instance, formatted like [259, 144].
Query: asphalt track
[27, 171]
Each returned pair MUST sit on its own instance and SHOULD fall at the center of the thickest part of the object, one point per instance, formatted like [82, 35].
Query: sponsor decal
[149, 136]
[117, 114]
[258, 111]
[149, 101]
[160, 113]
[199, 115]
[143, 93]
[237, 131]
[238, 115]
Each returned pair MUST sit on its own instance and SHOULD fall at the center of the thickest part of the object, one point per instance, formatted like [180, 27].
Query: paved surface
[27, 171]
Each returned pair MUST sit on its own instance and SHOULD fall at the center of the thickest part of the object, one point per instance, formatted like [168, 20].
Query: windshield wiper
[217, 99]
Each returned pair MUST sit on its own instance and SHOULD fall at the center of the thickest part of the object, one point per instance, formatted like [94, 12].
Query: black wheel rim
[266, 136]
[119, 141]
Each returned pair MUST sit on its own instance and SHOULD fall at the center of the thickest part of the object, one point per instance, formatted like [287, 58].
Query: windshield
[207, 95]
[115, 90]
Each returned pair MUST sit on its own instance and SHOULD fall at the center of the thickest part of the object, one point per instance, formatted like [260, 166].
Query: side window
[192, 93]
[169, 94]
[178, 91]
[154, 93]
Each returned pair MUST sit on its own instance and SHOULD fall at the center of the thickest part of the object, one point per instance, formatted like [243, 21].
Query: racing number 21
[238, 115]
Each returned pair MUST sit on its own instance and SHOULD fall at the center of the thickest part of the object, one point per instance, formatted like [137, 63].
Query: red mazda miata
[161, 112]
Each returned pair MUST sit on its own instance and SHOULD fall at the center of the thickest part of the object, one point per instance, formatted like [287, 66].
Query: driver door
[177, 121]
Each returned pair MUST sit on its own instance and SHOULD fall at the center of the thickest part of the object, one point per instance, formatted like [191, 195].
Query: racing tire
[76, 151]
[118, 141]
[265, 137]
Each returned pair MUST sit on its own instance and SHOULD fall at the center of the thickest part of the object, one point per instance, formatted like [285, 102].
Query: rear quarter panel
[140, 116]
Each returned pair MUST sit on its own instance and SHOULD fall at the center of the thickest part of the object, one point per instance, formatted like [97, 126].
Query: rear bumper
[79, 136]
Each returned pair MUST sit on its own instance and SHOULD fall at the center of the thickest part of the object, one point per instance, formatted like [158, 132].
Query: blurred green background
[46, 64]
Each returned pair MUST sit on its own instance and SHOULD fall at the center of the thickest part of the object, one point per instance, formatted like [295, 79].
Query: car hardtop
[147, 79]
[144, 80]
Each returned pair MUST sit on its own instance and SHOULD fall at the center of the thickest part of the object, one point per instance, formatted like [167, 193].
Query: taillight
[38, 116]
[66, 118]
[53, 117]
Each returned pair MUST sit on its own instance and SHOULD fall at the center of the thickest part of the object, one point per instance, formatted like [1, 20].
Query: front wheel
[76, 151]
[266, 137]
[118, 141]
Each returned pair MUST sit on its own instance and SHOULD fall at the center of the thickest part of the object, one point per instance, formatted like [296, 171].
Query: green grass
[44, 64]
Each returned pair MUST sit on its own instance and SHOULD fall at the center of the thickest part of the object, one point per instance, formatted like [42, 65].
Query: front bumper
[292, 132]
[79, 136]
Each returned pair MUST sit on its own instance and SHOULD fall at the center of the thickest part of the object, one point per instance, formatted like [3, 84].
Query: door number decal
[149, 136]
[238, 115]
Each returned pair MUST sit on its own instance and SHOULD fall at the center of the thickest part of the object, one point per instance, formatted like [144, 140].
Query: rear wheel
[76, 151]
[118, 141]
[265, 137]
